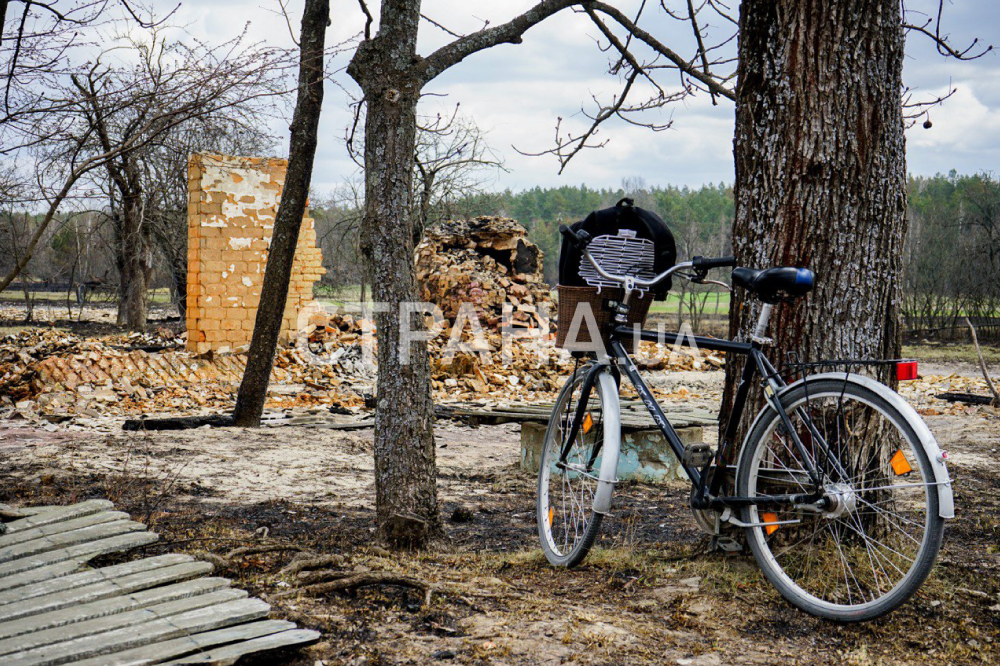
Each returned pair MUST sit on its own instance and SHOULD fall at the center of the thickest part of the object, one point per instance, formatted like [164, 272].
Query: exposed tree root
[220, 562]
[355, 581]
[226, 561]
[257, 550]
[305, 560]
[323, 575]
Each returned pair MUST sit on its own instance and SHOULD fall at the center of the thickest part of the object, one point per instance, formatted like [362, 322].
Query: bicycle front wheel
[871, 541]
[567, 486]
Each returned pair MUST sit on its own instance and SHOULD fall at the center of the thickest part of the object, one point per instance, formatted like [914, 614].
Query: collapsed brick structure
[486, 261]
[231, 208]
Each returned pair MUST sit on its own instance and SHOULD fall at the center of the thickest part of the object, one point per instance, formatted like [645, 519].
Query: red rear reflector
[906, 370]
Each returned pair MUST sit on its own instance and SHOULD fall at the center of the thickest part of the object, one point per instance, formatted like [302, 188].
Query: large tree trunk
[820, 171]
[288, 220]
[405, 473]
[135, 262]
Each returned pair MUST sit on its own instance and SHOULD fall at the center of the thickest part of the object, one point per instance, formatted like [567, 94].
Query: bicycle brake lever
[700, 277]
[728, 287]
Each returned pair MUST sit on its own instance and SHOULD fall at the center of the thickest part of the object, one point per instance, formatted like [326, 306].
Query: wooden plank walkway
[634, 415]
[55, 610]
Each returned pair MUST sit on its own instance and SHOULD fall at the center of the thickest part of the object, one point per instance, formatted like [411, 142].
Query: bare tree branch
[507, 33]
[368, 19]
[567, 147]
[941, 42]
[692, 17]
[683, 65]
[440, 27]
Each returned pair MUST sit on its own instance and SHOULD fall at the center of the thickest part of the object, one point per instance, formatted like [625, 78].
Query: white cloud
[965, 135]
[516, 92]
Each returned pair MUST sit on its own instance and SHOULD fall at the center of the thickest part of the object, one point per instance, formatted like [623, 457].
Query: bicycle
[840, 487]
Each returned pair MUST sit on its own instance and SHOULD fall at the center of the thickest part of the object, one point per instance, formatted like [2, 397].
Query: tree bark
[820, 172]
[134, 259]
[288, 220]
[405, 473]
[391, 75]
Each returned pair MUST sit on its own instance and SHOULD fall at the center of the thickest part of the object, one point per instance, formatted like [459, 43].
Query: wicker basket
[570, 298]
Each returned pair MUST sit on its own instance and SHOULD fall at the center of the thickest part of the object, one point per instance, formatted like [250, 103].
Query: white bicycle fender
[612, 443]
[946, 498]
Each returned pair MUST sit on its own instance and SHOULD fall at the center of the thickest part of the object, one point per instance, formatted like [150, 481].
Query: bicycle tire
[887, 533]
[567, 523]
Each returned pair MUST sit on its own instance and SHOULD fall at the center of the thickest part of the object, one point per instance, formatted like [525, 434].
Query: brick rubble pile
[486, 261]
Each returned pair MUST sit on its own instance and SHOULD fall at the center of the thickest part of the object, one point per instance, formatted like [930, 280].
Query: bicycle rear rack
[793, 369]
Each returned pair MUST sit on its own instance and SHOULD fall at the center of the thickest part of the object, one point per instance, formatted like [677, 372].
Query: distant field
[17, 296]
[953, 352]
[715, 304]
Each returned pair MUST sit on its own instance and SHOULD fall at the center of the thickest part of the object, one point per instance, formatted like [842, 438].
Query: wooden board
[105, 607]
[64, 526]
[58, 514]
[54, 610]
[223, 655]
[84, 551]
[50, 572]
[190, 645]
[633, 415]
[48, 585]
[132, 618]
[50, 542]
[202, 619]
[104, 590]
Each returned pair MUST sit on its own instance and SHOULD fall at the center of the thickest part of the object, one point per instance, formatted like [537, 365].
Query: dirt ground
[650, 592]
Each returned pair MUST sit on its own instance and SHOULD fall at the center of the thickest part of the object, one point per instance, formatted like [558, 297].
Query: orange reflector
[551, 514]
[588, 423]
[770, 518]
[899, 463]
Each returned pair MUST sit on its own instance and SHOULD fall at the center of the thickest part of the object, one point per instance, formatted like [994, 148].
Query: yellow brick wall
[231, 207]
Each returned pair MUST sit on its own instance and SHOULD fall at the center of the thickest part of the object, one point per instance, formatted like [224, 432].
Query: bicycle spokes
[864, 536]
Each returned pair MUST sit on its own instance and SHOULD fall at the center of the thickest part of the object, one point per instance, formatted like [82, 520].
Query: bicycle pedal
[698, 455]
[726, 544]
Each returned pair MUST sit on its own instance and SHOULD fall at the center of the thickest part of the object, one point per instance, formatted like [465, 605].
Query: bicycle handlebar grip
[704, 264]
[580, 241]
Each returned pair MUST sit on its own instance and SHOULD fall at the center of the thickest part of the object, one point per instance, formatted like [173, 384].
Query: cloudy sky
[515, 93]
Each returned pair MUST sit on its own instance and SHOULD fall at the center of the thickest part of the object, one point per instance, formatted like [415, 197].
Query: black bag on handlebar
[626, 240]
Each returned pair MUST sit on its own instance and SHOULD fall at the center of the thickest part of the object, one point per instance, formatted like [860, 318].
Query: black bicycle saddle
[773, 285]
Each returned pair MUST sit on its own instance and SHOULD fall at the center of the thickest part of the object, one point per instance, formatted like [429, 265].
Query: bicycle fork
[599, 377]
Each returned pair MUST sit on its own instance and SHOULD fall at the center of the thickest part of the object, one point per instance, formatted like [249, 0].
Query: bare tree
[451, 160]
[103, 114]
[391, 76]
[288, 220]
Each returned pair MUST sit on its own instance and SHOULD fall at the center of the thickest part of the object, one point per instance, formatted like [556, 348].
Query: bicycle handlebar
[707, 263]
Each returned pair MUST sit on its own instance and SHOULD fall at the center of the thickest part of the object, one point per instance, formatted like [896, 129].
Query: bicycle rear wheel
[567, 522]
[874, 539]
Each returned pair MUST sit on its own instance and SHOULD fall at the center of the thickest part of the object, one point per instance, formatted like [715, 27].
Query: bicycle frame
[756, 365]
